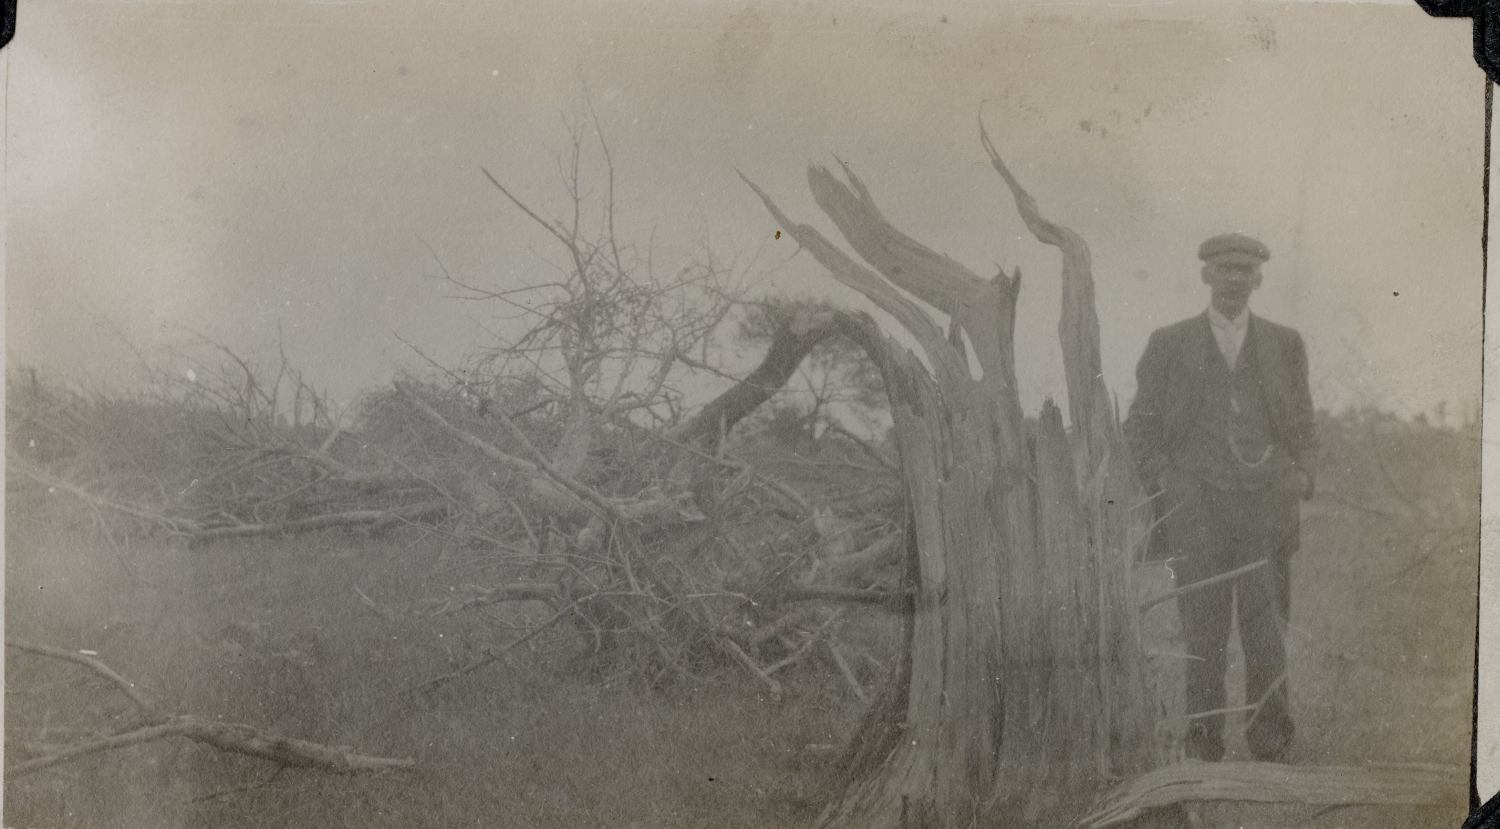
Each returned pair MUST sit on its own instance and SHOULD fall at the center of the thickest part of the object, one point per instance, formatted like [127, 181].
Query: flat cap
[1236, 247]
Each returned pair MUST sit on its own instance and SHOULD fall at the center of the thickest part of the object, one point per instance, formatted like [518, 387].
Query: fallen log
[1413, 784]
[236, 738]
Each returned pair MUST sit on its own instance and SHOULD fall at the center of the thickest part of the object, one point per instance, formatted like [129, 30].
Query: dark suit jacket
[1170, 390]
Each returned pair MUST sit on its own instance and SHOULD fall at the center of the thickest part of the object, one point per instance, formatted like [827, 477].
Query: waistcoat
[1230, 444]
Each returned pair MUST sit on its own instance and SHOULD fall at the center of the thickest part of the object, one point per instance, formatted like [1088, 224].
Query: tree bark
[1020, 699]
[1110, 488]
[942, 768]
[792, 341]
[1413, 784]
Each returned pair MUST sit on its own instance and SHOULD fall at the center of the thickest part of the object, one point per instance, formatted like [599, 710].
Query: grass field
[323, 637]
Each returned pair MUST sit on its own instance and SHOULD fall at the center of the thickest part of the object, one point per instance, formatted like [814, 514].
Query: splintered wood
[1414, 784]
[1024, 686]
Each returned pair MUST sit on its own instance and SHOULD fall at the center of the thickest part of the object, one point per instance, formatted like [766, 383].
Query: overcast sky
[231, 166]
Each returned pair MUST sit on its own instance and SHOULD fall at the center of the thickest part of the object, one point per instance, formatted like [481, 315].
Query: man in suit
[1222, 430]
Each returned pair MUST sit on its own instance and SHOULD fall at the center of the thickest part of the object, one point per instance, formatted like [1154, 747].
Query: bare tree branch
[791, 342]
[230, 737]
[148, 707]
[351, 518]
[1078, 324]
[235, 738]
[867, 282]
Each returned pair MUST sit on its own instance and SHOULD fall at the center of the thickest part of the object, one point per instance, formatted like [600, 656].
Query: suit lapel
[1268, 363]
[1197, 355]
[1203, 350]
[1266, 350]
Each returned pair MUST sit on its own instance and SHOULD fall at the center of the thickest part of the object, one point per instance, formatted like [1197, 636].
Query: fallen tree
[658, 535]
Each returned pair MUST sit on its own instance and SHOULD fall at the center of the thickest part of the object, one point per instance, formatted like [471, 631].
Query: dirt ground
[1380, 662]
[323, 637]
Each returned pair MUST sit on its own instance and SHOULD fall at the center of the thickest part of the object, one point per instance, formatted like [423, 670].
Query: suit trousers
[1212, 531]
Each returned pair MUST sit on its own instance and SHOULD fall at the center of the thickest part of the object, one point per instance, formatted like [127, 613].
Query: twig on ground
[780, 625]
[148, 707]
[890, 599]
[801, 651]
[236, 738]
[351, 518]
[1199, 585]
[792, 496]
[734, 650]
[492, 656]
[231, 737]
[845, 671]
[370, 603]
[177, 525]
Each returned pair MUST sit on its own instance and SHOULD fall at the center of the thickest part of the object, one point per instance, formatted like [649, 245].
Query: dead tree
[1024, 686]
[566, 453]
[642, 554]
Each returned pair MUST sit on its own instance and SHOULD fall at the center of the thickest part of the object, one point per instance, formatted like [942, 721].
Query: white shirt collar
[1239, 323]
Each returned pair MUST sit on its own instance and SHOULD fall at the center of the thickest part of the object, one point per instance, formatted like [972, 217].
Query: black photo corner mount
[1486, 816]
[1486, 15]
[7, 22]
